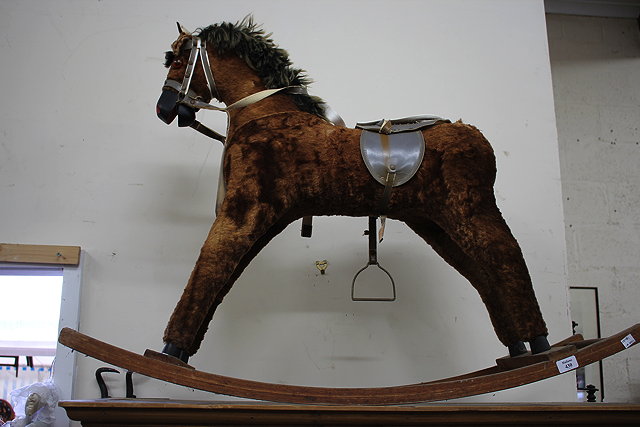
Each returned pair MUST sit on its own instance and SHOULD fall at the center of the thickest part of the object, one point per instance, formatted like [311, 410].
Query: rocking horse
[286, 157]
[285, 160]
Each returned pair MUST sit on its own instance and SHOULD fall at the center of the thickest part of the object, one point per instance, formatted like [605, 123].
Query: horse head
[189, 69]
[242, 59]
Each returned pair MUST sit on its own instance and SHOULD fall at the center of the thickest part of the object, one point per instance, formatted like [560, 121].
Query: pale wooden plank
[39, 254]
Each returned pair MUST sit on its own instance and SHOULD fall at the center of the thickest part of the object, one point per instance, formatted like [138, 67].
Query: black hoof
[517, 349]
[539, 344]
[175, 351]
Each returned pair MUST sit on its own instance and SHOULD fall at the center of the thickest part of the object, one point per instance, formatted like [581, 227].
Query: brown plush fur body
[282, 164]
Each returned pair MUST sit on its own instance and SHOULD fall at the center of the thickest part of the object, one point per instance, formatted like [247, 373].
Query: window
[63, 266]
[31, 309]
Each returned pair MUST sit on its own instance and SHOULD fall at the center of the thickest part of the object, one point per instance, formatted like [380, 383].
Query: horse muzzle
[169, 106]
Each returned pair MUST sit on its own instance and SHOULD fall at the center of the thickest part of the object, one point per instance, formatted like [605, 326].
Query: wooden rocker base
[570, 355]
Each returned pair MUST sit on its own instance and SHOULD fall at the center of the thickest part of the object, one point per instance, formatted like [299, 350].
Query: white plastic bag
[34, 405]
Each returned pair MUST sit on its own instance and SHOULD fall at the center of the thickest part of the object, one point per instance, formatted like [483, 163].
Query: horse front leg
[246, 259]
[227, 250]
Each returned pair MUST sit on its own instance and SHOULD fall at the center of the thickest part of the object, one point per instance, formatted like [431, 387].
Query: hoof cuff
[517, 349]
[539, 344]
[175, 351]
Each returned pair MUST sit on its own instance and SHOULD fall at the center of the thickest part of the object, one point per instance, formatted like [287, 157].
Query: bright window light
[31, 308]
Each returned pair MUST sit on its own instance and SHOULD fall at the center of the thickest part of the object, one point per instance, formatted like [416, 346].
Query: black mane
[247, 40]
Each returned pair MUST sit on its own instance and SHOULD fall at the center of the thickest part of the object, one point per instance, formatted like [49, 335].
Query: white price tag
[567, 364]
[628, 341]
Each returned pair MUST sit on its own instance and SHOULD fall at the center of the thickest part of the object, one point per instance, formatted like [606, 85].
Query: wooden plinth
[162, 412]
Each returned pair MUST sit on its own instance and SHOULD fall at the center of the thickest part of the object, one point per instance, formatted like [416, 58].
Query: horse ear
[182, 30]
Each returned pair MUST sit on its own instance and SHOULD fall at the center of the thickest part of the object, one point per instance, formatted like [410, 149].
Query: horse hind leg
[503, 316]
[467, 212]
[440, 241]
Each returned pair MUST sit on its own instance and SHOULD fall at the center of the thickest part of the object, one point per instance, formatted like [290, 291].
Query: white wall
[84, 161]
[596, 70]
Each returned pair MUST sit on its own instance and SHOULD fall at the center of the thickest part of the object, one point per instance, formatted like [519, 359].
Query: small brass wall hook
[322, 265]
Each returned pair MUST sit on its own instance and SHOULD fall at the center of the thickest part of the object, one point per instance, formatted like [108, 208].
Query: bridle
[185, 101]
[178, 99]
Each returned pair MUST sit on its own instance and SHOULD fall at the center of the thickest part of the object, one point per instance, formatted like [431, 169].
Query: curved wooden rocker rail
[484, 381]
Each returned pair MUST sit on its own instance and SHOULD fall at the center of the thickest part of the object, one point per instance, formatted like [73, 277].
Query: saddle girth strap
[389, 182]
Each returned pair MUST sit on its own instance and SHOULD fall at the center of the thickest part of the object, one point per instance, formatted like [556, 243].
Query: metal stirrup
[373, 260]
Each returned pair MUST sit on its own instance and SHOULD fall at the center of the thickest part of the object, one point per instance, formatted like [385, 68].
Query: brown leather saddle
[393, 150]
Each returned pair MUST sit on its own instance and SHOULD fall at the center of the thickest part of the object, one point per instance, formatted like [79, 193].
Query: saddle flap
[399, 152]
